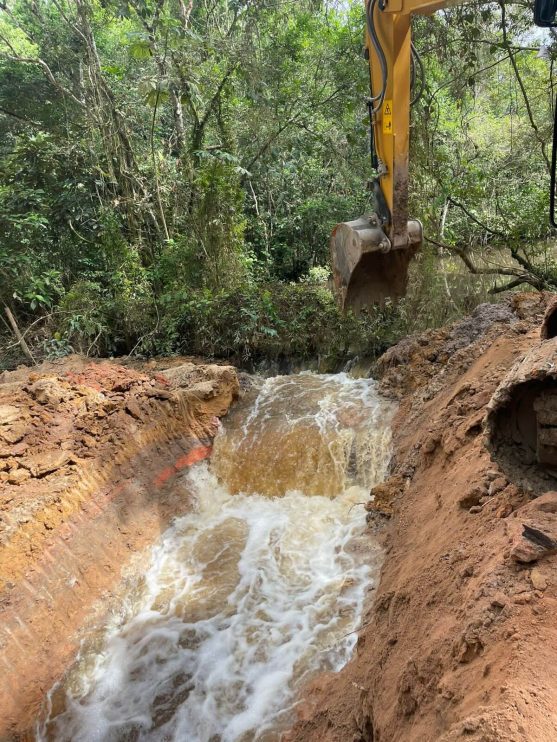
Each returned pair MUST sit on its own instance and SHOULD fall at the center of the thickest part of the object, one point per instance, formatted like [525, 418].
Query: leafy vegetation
[170, 171]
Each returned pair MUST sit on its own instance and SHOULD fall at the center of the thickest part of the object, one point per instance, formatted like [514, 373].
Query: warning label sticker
[387, 117]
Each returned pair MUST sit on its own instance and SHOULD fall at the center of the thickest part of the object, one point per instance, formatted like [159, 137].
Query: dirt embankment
[460, 642]
[91, 457]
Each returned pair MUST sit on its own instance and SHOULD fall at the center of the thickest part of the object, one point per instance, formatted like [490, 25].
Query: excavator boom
[371, 255]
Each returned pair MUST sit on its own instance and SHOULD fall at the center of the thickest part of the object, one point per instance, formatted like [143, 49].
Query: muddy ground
[91, 463]
[461, 641]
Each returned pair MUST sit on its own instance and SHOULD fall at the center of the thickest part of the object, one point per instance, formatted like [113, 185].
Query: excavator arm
[371, 255]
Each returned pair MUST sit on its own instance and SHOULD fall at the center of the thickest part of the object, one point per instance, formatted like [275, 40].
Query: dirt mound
[86, 453]
[460, 642]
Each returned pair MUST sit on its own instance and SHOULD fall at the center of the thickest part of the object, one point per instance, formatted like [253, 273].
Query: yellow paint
[392, 131]
[393, 30]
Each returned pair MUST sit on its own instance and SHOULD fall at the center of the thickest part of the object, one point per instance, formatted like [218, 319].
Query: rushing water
[256, 590]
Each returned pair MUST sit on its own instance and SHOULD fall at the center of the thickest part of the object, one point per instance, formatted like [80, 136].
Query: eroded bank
[460, 643]
[92, 463]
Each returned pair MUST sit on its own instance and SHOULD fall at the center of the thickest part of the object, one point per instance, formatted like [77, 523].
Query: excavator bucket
[367, 269]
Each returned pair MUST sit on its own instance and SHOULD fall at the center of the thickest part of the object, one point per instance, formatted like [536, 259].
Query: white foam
[244, 600]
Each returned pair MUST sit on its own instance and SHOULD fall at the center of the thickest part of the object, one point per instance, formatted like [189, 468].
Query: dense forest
[171, 170]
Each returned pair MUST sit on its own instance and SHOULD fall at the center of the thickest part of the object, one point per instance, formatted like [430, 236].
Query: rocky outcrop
[91, 464]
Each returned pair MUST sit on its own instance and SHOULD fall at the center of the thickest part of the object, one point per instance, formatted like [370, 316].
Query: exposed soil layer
[460, 642]
[91, 458]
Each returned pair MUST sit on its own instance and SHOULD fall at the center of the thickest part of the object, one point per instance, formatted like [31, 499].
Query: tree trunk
[20, 339]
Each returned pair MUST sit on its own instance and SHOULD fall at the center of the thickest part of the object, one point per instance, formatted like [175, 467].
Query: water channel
[255, 591]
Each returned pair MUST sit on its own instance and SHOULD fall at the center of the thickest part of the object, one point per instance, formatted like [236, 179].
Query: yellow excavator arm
[371, 255]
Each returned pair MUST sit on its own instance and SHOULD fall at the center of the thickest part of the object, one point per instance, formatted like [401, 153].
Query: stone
[431, 443]
[471, 498]
[469, 726]
[203, 390]
[539, 582]
[499, 601]
[384, 494]
[535, 541]
[13, 434]
[18, 476]
[524, 552]
[522, 598]
[16, 450]
[497, 485]
[88, 441]
[133, 409]
[43, 463]
[47, 391]
[8, 414]
[546, 503]
[159, 394]
[504, 511]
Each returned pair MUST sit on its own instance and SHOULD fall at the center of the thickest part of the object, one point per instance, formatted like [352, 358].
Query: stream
[259, 588]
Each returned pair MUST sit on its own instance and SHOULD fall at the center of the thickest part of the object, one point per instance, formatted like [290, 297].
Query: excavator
[371, 255]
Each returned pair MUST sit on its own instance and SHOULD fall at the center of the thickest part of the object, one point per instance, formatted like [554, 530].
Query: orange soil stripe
[198, 454]
[64, 531]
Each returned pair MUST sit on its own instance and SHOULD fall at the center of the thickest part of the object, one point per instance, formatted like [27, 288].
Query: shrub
[300, 322]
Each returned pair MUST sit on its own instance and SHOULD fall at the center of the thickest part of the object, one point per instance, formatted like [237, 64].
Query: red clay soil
[91, 458]
[461, 641]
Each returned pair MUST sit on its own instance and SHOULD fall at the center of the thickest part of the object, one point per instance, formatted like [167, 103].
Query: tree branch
[506, 286]
[472, 267]
[264, 147]
[476, 220]
[521, 85]
[215, 97]
[519, 277]
[20, 118]
[47, 72]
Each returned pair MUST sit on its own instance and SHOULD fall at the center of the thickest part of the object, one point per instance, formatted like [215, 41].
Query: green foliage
[218, 225]
[110, 310]
[55, 347]
[294, 321]
[170, 172]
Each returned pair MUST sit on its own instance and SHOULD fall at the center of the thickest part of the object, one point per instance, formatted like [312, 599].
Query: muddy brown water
[259, 588]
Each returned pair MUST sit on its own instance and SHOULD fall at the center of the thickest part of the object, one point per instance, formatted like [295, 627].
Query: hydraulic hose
[417, 60]
[372, 150]
[370, 10]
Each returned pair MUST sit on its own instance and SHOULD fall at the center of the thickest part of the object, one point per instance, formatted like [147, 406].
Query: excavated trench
[204, 595]
[93, 458]
[460, 641]
[253, 592]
